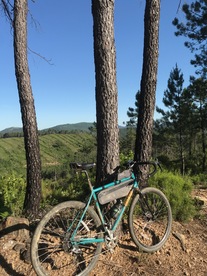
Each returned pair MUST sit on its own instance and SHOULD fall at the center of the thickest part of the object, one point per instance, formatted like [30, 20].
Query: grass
[55, 149]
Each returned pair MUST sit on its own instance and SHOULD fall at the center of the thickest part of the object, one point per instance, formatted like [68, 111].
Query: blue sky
[61, 31]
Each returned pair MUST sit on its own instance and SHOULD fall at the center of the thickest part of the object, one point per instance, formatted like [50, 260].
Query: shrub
[12, 193]
[74, 188]
[178, 191]
[124, 158]
[200, 179]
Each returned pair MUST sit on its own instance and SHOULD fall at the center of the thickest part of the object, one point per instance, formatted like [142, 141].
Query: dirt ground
[185, 253]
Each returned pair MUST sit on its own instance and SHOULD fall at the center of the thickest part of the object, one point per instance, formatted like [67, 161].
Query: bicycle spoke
[55, 248]
[150, 220]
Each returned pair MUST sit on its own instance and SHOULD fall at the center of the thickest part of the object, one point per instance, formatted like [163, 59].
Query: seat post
[89, 181]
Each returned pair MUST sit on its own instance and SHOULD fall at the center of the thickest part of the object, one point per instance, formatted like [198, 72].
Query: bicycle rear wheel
[52, 252]
[150, 219]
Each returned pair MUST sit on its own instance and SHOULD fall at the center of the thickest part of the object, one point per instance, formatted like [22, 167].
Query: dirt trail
[185, 253]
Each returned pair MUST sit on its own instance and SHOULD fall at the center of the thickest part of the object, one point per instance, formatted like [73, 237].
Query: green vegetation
[58, 184]
[194, 30]
[200, 179]
[13, 188]
[57, 150]
[73, 187]
[12, 192]
[178, 191]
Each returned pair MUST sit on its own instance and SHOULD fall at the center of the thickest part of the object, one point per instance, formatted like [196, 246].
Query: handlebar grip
[152, 163]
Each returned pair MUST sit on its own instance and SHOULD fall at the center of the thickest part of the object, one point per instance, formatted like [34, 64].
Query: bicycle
[70, 237]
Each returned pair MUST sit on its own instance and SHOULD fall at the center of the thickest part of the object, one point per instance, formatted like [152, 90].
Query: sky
[61, 32]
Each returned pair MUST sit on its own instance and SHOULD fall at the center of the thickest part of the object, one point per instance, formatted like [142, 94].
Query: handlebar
[135, 165]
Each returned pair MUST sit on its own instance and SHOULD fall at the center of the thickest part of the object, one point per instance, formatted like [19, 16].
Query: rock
[9, 244]
[15, 228]
[25, 256]
[182, 240]
[19, 247]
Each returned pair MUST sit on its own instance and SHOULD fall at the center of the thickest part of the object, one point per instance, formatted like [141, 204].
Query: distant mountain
[83, 126]
[11, 130]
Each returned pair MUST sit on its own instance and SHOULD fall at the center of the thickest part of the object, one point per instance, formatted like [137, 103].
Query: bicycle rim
[52, 253]
[150, 220]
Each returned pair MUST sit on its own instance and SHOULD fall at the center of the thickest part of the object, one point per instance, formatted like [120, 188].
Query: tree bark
[106, 88]
[143, 145]
[33, 190]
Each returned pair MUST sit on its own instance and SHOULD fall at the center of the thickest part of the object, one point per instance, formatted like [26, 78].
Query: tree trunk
[143, 147]
[33, 190]
[106, 88]
[182, 158]
[203, 137]
[143, 144]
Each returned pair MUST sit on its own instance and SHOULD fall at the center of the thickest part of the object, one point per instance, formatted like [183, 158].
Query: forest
[54, 205]
[177, 139]
[179, 135]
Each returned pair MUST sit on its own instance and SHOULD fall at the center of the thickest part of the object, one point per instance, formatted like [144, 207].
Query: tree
[197, 89]
[181, 132]
[33, 190]
[132, 112]
[127, 141]
[143, 147]
[173, 100]
[195, 29]
[106, 88]
[188, 122]
[163, 142]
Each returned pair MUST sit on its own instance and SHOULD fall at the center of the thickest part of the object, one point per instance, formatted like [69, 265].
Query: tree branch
[44, 58]
[7, 10]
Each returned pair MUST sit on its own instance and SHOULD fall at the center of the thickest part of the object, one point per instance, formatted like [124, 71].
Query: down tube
[98, 206]
[122, 210]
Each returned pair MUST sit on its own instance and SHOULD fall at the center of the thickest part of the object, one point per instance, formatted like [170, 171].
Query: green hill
[11, 130]
[83, 126]
[70, 127]
[58, 145]
[56, 150]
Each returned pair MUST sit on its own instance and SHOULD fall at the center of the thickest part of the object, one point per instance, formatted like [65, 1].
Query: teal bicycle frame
[93, 195]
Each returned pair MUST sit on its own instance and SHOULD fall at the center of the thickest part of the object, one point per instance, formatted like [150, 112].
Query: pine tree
[198, 88]
[195, 29]
[31, 140]
[175, 116]
[133, 112]
[143, 145]
[106, 89]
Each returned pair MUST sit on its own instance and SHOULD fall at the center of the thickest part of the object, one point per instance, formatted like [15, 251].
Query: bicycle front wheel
[150, 219]
[53, 253]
